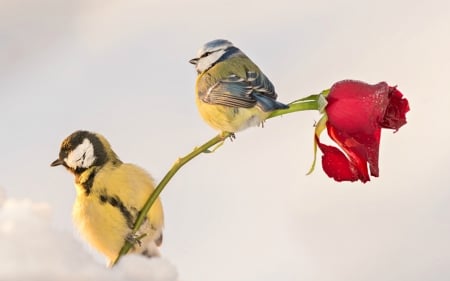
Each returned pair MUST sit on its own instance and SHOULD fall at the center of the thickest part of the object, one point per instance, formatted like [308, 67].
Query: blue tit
[109, 195]
[232, 93]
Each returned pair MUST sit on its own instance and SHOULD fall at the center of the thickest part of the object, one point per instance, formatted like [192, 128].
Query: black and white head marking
[211, 53]
[80, 151]
[83, 156]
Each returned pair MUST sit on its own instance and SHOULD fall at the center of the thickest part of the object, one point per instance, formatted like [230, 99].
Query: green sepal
[320, 126]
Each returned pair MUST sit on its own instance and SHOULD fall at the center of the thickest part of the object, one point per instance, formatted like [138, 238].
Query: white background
[247, 212]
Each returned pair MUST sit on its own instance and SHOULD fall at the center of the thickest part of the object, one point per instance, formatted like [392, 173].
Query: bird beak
[57, 162]
[193, 61]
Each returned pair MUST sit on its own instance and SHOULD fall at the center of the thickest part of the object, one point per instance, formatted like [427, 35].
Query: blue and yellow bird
[232, 93]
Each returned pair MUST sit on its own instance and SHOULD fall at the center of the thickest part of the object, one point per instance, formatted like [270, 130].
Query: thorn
[215, 147]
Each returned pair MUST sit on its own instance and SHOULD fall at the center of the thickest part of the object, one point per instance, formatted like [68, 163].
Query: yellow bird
[110, 194]
[232, 93]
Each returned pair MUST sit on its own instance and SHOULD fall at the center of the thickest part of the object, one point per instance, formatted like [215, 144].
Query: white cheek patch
[82, 156]
[206, 62]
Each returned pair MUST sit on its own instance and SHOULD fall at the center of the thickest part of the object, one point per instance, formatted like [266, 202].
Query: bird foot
[223, 136]
[134, 238]
[231, 136]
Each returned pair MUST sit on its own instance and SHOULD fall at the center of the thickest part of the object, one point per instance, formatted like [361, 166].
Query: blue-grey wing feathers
[267, 104]
[254, 90]
[233, 91]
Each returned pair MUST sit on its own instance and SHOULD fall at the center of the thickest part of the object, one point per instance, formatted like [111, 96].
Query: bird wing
[235, 91]
[232, 91]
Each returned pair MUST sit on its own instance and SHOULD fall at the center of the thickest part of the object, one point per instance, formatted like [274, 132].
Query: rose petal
[356, 113]
[336, 165]
[357, 107]
[355, 150]
[395, 114]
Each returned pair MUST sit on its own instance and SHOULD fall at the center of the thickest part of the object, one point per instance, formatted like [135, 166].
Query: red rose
[354, 116]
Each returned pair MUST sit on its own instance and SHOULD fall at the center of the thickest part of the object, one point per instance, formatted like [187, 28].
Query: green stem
[308, 103]
[176, 166]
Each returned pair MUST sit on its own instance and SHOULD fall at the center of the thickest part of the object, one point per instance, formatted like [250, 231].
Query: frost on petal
[395, 114]
[356, 107]
[357, 112]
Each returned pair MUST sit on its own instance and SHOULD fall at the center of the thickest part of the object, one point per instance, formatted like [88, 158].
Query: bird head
[83, 150]
[213, 52]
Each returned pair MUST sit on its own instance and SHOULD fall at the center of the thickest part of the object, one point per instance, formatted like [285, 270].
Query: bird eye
[82, 157]
[205, 54]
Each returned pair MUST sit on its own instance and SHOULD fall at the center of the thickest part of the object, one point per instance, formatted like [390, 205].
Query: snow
[33, 249]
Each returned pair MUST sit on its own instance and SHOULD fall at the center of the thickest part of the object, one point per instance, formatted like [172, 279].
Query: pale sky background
[247, 212]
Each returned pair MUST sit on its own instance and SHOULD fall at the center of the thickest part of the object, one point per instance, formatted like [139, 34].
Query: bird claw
[134, 238]
[231, 136]
[223, 136]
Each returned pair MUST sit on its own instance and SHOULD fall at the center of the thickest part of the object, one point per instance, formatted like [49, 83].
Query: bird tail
[268, 104]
